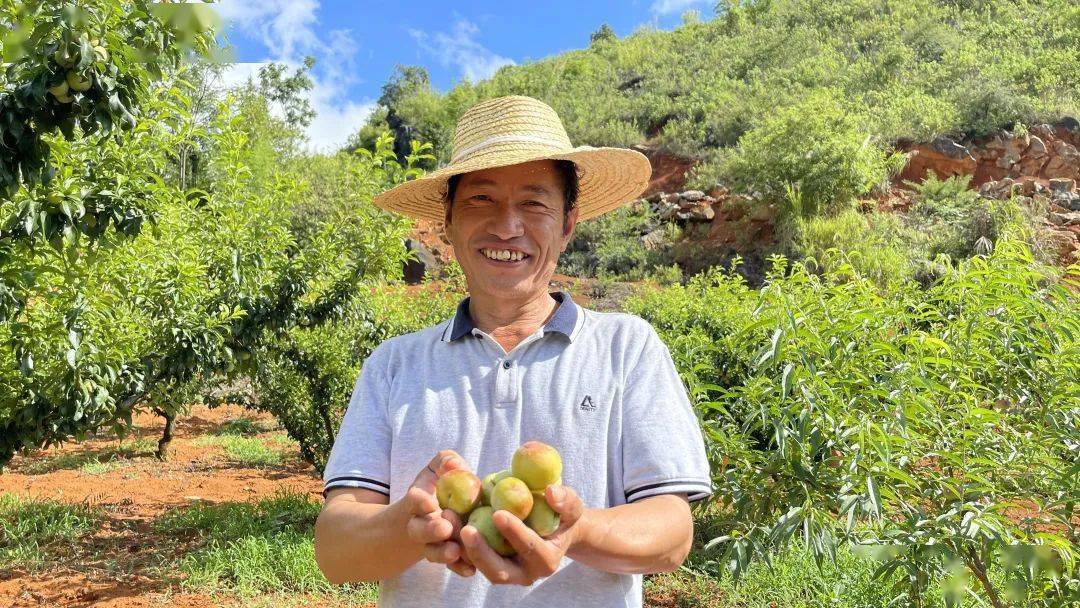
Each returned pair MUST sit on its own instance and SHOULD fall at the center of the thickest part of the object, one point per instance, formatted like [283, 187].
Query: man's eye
[479, 197]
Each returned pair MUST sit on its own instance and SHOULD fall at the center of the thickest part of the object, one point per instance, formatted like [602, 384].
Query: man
[516, 363]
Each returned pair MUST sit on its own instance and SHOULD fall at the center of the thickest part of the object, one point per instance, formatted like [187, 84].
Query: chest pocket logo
[587, 404]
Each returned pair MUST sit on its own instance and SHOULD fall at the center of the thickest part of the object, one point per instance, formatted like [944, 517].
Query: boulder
[949, 147]
[1060, 185]
[692, 195]
[420, 264]
[1044, 130]
[1060, 167]
[718, 191]
[655, 239]
[1069, 123]
[700, 211]
[1037, 147]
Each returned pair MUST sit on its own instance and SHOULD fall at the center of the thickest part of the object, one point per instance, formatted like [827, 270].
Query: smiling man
[516, 363]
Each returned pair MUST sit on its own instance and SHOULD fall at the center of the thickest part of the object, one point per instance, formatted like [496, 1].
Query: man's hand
[431, 526]
[536, 557]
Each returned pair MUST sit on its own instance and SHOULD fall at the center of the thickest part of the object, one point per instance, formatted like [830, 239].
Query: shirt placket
[506, 383]
[507, 368]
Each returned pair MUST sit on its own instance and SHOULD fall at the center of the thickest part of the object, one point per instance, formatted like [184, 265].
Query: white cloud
[284, 26]
[287, 29]
[236, 74]
[666, 7]
[460, 48]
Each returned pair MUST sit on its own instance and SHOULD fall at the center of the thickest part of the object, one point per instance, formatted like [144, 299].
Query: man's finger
[493, 566]
[428, 529]
[462, 568]
[421, 502]
[565, 501]
[536, 554]
[455, 521]
[444, 461]
[447, 552]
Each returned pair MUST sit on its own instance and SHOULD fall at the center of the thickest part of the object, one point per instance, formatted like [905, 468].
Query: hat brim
[608, 178]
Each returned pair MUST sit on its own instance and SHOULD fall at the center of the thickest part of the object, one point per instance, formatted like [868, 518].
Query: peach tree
[125, 286]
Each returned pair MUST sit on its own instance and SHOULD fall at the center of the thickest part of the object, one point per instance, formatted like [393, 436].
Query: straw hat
[517, 129]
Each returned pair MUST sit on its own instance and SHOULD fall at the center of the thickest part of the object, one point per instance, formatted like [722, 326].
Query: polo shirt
[600, 387]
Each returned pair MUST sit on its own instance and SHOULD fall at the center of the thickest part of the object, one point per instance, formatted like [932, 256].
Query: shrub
[872, 246]
[917, 419]
[810, 158]
[306, 380]
[950, 219]
[612, 245]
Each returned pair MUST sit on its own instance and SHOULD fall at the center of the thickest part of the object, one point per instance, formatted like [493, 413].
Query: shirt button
[506, 365]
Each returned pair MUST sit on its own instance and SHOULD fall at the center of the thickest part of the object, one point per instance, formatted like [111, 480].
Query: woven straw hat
[517, 129]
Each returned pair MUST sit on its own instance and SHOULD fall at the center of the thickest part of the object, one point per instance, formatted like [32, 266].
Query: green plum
[512, 495]
[459, 491]
[542, 519]
[489, 484]
[481, 520]
[537, 464]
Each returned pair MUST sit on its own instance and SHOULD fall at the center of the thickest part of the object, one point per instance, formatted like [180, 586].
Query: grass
[243, 427]
[33, 532]
[253, 548]
[794, 581]
[93, 462]
[251, 451]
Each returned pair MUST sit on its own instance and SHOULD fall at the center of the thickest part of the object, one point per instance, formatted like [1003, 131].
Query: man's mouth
[504, 255]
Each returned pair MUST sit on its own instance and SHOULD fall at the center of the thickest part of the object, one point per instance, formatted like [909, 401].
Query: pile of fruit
[518, 491]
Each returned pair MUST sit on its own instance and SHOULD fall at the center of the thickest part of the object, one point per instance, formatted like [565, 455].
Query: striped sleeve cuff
[695, 489]
[355, 481]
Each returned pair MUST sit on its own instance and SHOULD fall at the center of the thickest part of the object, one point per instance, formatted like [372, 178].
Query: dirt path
[114, 571]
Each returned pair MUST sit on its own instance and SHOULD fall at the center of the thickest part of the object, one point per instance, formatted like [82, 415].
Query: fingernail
[557, 493]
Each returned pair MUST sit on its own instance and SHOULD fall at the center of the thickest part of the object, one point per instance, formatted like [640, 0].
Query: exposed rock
[1061, 185]
[700, 211]
[1059, 166]
[1070, 123]
[692, 195]
[1068, 218]
[654, 240]
[1043, 130]
[1048, 151]
[422, 262]
[950, 148]
[1037, 148]
[718, 191]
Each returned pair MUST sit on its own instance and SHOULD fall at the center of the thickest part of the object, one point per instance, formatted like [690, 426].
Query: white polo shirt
[599, 387]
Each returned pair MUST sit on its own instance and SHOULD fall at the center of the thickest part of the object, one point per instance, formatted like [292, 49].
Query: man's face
[515, 212]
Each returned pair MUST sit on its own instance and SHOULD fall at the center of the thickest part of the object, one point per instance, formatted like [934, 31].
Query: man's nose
[507, 222]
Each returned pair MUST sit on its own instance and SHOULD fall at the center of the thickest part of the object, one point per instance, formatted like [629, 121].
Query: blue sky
[357, 43]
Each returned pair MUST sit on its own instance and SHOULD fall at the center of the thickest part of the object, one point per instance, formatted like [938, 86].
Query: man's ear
[568, 227]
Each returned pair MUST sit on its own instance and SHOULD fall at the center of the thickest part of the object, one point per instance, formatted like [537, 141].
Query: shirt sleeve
[662, 447]
[360, 457]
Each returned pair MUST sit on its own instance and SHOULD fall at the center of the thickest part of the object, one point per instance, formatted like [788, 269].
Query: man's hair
[566, 169]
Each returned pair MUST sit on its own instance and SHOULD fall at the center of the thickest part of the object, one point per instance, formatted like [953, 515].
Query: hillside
[891, 71]
[784, 113]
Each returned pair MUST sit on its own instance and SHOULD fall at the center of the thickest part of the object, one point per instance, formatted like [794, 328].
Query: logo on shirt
[587, 404]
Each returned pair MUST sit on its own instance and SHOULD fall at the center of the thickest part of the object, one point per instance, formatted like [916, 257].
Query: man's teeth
[503, 254]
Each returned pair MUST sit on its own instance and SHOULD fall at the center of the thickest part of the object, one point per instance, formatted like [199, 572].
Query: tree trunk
[979, 569]
[166, 437]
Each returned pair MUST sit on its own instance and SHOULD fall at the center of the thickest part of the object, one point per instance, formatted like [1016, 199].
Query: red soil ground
[131, 496]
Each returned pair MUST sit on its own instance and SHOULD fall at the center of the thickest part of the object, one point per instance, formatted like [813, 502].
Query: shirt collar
[564, 320]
